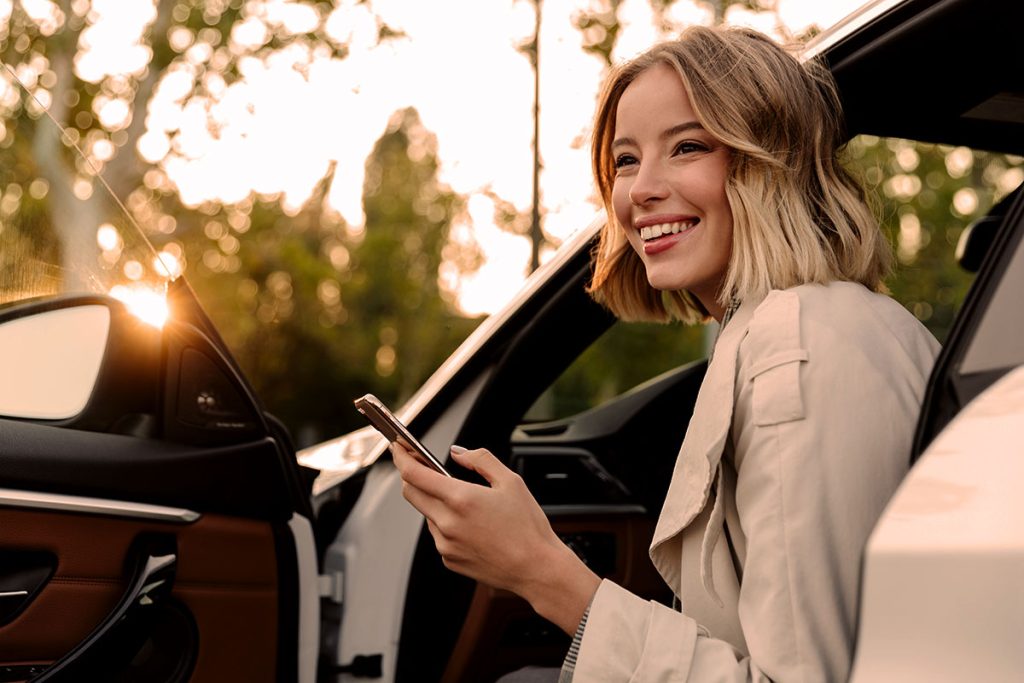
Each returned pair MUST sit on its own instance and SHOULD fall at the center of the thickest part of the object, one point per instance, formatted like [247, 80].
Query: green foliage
[600, 28]
[627, 355]
[398, 258]
[927, 195]
[319, 313]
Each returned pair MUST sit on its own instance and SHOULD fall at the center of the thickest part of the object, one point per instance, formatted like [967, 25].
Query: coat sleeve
[821, 430]
[630, 639]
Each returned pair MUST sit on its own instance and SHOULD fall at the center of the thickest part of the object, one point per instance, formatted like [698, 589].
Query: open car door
[153, 522]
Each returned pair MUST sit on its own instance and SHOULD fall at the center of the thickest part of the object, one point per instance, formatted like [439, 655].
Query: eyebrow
[671, 132]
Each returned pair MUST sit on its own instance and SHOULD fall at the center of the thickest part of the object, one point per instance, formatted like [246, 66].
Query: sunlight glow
[6, 7]
[295, 17]
[133, 270]
[295, 114]
[44, 14]
[965, 201]
[113, 113]
[146, 304]
[111, 43]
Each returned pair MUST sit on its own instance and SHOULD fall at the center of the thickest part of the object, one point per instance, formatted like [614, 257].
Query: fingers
[419, 485]
[447, 547]
[483, 462]
[430, 506]
[416, 473]
[438, 497]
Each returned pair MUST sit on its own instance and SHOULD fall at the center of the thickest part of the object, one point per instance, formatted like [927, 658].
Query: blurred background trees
[315, 310]
[318, 305]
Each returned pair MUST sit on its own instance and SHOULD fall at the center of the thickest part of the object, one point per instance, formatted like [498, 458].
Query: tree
[319, 312]
[397, 261]
[278, 270]
[64, 54]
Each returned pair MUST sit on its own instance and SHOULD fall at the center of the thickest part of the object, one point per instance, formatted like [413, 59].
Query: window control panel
[597, 549]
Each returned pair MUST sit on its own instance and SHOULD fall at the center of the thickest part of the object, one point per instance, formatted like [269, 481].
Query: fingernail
[458, 450]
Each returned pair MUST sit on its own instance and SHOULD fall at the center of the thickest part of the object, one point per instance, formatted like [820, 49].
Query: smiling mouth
[653, 232]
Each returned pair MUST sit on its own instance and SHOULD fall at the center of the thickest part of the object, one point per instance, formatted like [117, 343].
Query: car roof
[946, 71]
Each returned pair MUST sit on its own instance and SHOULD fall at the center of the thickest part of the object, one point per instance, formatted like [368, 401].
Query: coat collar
[704, 443]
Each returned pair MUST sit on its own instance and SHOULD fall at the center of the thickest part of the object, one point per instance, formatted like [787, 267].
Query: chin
[666, 282]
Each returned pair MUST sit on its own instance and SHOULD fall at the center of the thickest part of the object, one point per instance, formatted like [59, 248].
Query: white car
[156, 525]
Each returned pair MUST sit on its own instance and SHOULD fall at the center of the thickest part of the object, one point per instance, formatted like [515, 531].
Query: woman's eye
[689, 147]
[624, 160]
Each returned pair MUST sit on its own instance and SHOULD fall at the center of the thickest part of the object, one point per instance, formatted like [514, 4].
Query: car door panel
[226, 578]
[171, 450]
[240, 479]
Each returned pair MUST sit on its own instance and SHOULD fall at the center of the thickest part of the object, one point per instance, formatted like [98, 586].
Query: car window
[63, 232]
[626, 355]
[996, 344]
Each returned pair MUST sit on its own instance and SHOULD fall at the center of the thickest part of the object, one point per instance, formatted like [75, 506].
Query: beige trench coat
[799, 436]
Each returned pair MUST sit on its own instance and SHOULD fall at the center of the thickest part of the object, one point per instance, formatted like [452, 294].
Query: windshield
[62, 231]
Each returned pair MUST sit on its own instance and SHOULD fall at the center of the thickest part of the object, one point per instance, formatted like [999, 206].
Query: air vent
[545, 430]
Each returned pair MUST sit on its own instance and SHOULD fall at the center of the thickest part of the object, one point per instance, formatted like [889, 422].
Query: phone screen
[393, 430]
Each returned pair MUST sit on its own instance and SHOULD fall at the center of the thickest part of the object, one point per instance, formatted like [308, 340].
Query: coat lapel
[702, 447]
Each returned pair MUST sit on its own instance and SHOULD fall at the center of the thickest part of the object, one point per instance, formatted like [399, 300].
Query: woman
[716, 158]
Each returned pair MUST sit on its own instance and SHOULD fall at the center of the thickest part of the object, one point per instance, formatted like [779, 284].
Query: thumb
[481, 461]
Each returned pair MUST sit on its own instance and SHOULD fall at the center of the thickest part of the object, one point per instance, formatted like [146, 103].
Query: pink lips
[663, 243]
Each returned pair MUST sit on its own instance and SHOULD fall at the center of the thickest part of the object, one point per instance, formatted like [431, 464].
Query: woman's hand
[498, 534]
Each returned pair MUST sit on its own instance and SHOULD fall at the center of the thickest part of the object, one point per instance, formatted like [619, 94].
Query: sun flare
[145, 303]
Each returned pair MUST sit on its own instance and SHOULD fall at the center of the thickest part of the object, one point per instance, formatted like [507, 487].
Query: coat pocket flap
[776, 393]
[777, 359]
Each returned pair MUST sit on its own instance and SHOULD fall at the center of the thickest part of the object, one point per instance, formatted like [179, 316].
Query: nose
[648, 185]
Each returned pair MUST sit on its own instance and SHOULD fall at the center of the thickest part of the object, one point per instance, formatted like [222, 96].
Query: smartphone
[393, 430]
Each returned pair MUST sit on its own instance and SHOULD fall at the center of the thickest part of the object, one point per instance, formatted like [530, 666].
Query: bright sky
[282, 126]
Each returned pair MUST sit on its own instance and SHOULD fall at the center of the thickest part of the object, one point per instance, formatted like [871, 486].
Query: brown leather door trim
[227, 578]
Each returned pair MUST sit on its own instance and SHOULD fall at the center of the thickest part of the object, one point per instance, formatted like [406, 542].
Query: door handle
[152, 565]
[23, 574]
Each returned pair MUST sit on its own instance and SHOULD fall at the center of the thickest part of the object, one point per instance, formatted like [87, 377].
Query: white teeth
[651, 232]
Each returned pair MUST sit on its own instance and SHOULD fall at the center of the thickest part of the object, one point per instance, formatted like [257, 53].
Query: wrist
[561, 588]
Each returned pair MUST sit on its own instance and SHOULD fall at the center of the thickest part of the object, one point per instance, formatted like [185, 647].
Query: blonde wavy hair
[798, 215]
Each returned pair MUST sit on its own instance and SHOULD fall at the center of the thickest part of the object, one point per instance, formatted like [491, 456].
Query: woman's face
[669, 189]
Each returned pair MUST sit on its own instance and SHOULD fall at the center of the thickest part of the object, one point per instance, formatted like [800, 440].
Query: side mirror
[79, 361]
[86, 362]
[50, 361]
[977, 238]
[975, 241]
